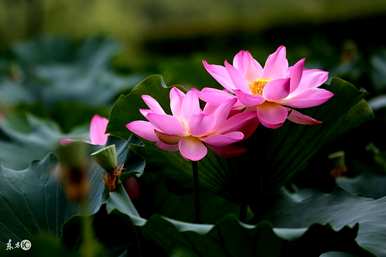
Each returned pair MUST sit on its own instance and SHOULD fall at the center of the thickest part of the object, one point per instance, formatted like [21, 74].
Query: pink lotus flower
[190, 129]
[273, 92]
[97, 132]
[98, 127]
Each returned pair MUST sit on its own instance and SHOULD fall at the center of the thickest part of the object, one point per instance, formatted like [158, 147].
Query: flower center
[258, 85]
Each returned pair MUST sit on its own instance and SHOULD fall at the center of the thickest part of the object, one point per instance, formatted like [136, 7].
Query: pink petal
[167, 139]
[309, 98]
[176, 97]
[250, 127]
[190, 104]
[214, 96]
[166, 123]
[145, 112]
[272, 115]
[153, 105]
[276, 66]
[312, 78]
[167, 147]
[302, 119]
[277, 89]
[210, 108]
[220, 74]
[224, 139]
[200, 124]
[143, 129]
[296, 74]
[221, 114]
[237, 121]
[98, 126]
[192, 148]
[203, 123]
[238, 79]
[248, 99]
[247, 65]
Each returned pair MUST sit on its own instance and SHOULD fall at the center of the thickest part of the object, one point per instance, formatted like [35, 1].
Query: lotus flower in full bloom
[189, 129]
[273, 92]
[98, 127]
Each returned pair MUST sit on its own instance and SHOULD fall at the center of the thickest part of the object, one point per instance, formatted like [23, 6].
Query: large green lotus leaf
[339, 208]
[18, 156]
[33, 201]
[126, 108]
[163, 236]
[231, 238]
[28, 138]
[227, 237]
[366, 184]
[274, 156]
[53, 70]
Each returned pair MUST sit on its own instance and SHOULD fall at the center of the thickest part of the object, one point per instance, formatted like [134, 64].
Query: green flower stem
[88, 246]
[196, 193]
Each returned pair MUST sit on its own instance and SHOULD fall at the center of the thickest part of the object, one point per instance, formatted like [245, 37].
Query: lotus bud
[108, 160]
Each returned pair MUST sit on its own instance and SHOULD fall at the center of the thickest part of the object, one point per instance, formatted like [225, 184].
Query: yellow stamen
[258, 85]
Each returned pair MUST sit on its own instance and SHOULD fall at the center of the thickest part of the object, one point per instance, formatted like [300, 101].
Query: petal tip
[145, 97]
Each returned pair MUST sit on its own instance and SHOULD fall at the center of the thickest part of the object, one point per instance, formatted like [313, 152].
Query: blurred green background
[56, 52]
[156, 34]
[85, 47]
[135, 22]
[62, 61]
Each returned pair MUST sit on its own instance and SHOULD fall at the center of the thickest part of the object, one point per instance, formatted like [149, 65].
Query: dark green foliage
[63, 83]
